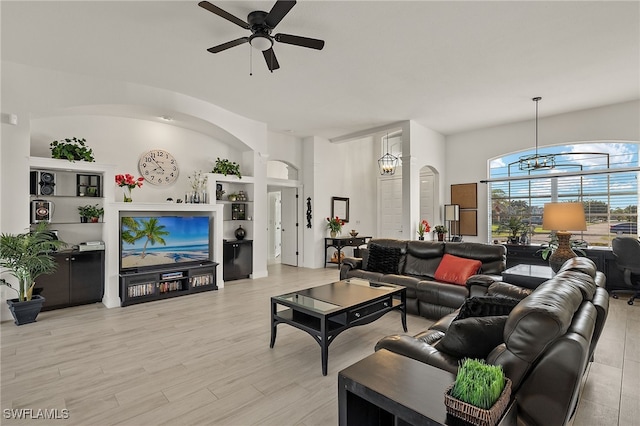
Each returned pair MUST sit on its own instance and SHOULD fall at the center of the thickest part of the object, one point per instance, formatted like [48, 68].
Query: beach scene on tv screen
[162, 240]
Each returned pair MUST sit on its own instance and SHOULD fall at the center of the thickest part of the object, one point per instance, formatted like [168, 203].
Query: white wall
[467, 154]
[121, 141]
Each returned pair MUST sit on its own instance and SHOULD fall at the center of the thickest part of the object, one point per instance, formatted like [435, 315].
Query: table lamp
[563, 217]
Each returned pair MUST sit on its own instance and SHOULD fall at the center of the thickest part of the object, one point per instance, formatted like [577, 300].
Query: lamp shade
[564, 217]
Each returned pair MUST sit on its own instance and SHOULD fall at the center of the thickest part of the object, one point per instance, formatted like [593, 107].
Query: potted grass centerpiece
[480, 393]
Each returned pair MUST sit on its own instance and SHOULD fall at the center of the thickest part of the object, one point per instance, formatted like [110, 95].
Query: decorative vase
[240, 233]
[440, 237]
[127, 194]
[333, 234]
[421, 238]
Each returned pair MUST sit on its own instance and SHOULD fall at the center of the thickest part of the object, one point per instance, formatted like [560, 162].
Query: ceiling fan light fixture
[261, 42]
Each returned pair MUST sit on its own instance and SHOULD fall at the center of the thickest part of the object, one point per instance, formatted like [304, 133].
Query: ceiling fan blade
[228, 45]
[270, 58]
[312, 43]
[278, 11]
[223, 14]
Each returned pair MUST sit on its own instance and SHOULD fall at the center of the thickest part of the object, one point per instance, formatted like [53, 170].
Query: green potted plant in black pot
[480, 393]
[72, 149]
[90, 213]
[26, 256]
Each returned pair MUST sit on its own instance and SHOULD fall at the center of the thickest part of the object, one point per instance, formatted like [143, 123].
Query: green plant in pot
[72, 149]
[440, 230]
[226, 167]
[514, 226]
[480, 393]
[90, 213]
[26, 256]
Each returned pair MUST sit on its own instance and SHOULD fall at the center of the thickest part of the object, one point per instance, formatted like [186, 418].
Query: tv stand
[147, 285]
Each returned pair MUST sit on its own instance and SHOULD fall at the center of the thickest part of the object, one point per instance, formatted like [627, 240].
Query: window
[603, 176]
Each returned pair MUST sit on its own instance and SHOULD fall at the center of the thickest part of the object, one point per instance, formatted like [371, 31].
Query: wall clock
[158, 167]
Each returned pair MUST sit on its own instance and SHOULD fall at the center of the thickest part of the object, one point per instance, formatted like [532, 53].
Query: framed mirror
[340, 208]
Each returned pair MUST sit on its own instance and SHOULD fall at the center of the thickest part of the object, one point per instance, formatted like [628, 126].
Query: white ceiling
[451, 66]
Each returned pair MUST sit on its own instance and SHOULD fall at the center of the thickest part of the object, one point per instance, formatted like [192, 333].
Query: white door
[390, 196]
[273, 227]
[428, 196]
[290, 224]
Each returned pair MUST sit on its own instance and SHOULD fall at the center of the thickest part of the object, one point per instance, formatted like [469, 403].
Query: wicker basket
[477, 416]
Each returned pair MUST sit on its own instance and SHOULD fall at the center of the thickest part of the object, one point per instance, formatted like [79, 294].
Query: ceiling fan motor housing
[261, 33]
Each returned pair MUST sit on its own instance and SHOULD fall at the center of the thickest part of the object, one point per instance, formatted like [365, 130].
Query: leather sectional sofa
[415, 265]
[544, 340]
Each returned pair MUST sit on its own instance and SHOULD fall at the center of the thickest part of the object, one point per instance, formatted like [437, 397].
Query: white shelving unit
[233, 184]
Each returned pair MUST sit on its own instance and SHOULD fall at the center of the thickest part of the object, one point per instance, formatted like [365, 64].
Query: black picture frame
[340, 208]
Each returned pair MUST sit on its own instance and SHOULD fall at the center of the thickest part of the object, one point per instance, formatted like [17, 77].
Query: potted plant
[90, 213]
[26, 256]
[72, 149]
[226, 167]
[480, 393]
[334, 224]
[514, 226]
[440, 230]
[423, 227]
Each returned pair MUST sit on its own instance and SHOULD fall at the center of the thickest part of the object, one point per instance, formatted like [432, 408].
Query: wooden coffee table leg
[324, 345]
[403, 298]
[273, 324]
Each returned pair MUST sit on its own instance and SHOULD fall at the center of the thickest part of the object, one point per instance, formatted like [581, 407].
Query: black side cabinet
[238, 259]
[78, 279]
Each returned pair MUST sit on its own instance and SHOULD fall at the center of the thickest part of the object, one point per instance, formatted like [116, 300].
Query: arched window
[603, 176]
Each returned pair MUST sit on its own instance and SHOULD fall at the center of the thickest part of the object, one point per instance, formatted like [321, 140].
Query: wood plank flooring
[204, 359]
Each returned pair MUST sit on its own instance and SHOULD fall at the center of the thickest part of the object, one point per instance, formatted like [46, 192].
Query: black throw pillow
[473, 337]
[483, 306]
[383, 259]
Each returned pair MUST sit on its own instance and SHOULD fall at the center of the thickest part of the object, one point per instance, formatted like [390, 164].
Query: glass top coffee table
[328, 310]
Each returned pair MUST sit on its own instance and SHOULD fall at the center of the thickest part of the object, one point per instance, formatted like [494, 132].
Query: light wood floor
[205, 359]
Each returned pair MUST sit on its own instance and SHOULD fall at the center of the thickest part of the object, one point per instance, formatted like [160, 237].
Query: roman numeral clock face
[158, 167]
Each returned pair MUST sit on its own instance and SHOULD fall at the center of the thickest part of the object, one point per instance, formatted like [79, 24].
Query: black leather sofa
[544, 343]
[415, 268]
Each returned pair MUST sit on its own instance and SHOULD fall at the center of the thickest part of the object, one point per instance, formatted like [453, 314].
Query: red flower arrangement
[335, 224]
[423, 227]
[129, 181]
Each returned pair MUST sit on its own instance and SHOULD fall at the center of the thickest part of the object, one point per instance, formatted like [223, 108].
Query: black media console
[149, 285]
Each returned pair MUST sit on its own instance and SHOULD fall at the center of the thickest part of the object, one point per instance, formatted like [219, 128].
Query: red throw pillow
[456, 270]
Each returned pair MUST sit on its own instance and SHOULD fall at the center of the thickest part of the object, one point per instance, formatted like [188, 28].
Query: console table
[341, 242]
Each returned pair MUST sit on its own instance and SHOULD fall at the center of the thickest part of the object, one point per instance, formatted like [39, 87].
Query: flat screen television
[156, 241]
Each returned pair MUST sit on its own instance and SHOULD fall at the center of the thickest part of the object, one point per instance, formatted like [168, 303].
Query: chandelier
[537, 161]
[388, 163]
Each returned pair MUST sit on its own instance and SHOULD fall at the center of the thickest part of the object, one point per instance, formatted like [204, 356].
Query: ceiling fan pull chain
[250, 61]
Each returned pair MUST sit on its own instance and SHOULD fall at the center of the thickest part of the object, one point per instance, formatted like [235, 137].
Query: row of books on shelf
[138, 290]
[170, 286]
[201, 280]
[146, 289]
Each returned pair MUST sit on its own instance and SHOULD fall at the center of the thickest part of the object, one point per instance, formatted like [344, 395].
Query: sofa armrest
[509, 290]
[478, 285]
[419, 350]
[349, 263]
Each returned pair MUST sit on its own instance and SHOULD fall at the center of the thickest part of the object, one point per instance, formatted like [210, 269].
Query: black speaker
[42, 183]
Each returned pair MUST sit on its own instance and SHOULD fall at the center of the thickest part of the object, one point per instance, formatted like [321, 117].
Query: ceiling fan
[261, 24]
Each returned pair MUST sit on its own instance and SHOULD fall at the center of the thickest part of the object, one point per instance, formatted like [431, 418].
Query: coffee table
[328, 310]
[528, 276]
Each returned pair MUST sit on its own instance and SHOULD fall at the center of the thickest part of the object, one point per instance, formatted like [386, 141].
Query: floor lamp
[452, 214]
